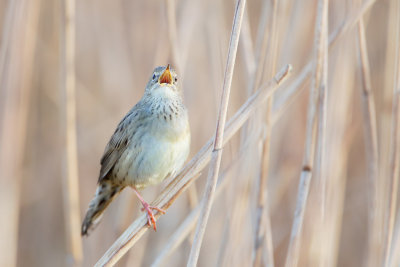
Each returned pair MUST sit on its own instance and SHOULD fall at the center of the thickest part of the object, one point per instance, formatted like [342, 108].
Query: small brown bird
[150, 143]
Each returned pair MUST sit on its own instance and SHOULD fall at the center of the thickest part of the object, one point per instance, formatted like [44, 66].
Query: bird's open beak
[166, 77]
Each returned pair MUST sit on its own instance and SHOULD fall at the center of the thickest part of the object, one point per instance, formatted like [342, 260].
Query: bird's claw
[151, 220]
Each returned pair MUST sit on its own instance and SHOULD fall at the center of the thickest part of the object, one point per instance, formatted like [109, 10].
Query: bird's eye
[176, 79]
[154, 76]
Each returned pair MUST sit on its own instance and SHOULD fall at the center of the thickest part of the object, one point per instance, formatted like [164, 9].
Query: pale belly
[150, 160]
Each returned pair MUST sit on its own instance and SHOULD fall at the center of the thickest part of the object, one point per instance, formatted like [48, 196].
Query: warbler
[150, 143]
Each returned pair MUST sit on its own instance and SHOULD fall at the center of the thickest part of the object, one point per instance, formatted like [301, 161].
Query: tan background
[118, 43]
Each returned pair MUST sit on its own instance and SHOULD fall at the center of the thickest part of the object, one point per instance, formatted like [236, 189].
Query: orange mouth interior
[166, 77]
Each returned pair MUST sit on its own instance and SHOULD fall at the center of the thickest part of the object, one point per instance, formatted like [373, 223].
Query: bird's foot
[151, 220]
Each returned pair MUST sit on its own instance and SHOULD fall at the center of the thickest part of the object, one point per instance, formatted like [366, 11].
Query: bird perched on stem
[150, 143]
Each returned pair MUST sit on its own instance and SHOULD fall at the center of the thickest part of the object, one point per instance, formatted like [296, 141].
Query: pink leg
[151, 220]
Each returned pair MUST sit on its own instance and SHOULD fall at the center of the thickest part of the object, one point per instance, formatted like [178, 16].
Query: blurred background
[45, 149]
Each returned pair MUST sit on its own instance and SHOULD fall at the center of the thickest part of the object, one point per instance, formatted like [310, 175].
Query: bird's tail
[105, 193]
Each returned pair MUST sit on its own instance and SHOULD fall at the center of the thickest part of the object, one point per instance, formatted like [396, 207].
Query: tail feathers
[105, 193]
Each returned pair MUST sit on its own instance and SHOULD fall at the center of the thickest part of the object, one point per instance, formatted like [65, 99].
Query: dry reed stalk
[191, 171]
[371, 144]
[318, 90]
[209, 193]
[16, 72]
[71, 184]
[322, 104]
[395, 149]
[263, 244]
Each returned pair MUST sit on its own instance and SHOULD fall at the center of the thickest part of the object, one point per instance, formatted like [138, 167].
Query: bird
[151, 143]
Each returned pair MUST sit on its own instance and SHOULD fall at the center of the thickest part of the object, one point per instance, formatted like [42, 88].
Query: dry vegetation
[308, 174]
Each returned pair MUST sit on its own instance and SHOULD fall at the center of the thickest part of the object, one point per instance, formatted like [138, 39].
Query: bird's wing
[119, 142]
